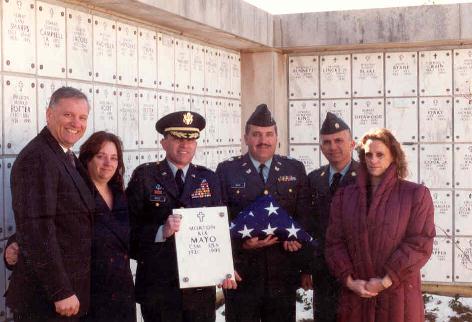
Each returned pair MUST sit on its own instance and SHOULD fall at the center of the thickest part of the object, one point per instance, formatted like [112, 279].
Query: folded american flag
[265, 217]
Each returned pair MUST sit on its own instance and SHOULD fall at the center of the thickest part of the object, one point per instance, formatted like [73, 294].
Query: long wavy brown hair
[387, 138]
[93, 145]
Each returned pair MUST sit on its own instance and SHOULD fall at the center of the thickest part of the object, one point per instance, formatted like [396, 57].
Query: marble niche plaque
[436, 165]
[401, 74]
[9, 219]
[147, 58]
[402, 118]
[211, 71]
[212, 158]
[367, 75]
[182, 102]
[367, 114]
[104, 50]
[435, 76]
[79, 45]
[1, 127]
[435, 119]
[443, 215]
[212, 122]
[463, 71]
[200, 156]
[198, 105]
[462, 119]
[19, 36]
[87, 89]
[148, 156]
[197, 69]
[182, 65]
[411, 154]
[463, 260]
[19, 108]
[235, 62]
[131, 161]
[439, 266]
[340, 107]
[3, 206]
[165, 62]
[235, 122]
[335, 76]
[165, 105]
[463, 212]
[51, 39]
[128, 118]
[46, 87]
[225, 73]
[105, 109]
[304, 121]
[225, 121]
[127, 54]
[303, 77]
[147, 119]
[309, 155]
[463, 166]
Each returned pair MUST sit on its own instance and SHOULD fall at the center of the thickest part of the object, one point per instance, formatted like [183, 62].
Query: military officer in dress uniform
[337, 146]
[268, 269]
[154, 190]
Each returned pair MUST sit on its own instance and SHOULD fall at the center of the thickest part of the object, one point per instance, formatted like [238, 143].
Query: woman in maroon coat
[380, 234]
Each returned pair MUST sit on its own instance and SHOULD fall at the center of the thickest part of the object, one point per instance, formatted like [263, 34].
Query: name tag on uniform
[155, 198]
[286, 178]
[238, 185]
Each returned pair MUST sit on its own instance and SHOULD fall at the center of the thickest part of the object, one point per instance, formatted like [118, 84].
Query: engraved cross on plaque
[200, 216]
[435, 55]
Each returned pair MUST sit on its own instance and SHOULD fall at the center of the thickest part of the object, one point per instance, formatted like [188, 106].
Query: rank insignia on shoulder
[286, 178]
[203, 191]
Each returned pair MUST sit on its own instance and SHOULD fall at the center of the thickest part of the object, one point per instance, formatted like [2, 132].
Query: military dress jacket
[152, 195]
[317, 221]
[271, 268]
[53, 207]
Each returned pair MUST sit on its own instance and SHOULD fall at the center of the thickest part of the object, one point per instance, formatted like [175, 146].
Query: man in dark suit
[269, 270]
[52, 204]
[155, 189]
[337, 146]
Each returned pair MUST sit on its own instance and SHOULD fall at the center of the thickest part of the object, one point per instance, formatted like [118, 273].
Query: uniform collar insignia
[276, 168]
[322, 174]
[248, 171]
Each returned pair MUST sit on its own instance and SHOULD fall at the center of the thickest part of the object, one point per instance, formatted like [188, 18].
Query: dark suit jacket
[270, 269]
[317, 223]
[152, 194]
[52, 204]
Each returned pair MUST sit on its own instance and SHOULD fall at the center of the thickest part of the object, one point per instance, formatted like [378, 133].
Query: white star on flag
[232, 225]
[250, 214]
[270, 230]
[245, 232]
[271, 209]
[292, 231]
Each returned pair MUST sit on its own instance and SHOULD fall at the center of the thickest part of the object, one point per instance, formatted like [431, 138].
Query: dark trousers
[255, 306]
[171, 304]
[34, 317]
[326, 291]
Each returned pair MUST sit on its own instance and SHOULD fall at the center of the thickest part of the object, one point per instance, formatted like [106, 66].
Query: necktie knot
[335, 183]
[261, 171]
[179, 180]
[70, 157]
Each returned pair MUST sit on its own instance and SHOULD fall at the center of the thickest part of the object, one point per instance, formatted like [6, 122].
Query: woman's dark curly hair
[93, 145]
[387, 138]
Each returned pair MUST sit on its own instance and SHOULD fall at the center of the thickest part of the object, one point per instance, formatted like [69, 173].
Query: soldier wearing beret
[154, 190]
[337, 146]
[269, 270]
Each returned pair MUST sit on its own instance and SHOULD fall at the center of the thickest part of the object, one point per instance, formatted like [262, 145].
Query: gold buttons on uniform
[290, 190]
[157, 204]
[237, 192]
[266, 192]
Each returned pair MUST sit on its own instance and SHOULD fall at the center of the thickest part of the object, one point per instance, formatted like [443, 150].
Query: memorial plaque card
[367, 114]
[435, 119]
[463, 166]
[436, 165]
[435, 77]
[402, 118]
[401, 74]
[367, 75]
[79, 45]
[304, 122]
[303, 77]
[439, 267]
[335, 76]
[104, 50]
[127, 54]
[147, 58]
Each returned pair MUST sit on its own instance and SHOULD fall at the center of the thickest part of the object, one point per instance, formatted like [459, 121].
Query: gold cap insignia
[188, 118]
[336, 125]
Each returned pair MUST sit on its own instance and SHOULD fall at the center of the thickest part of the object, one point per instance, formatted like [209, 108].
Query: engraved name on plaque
[463, 71]
[147, 119]
[104, 50]
[303, 77]
[147, 58]
[463, 212]
[463, 259]
[463, 166]
[304, 122]
[307, 154]
[105, 109]
[435, 119]
[401, 74]
[79, 45]
[436, 165]
[367, 75]
[19, 108]
[127, 54]
[442, 201]
[335, 76]
[367, 114]
[435, 76]
[401, 118]
[51, 39]
[462, 119]
[439, 266]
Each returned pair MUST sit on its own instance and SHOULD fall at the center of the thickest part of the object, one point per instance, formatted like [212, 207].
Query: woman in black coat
[112, 289]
